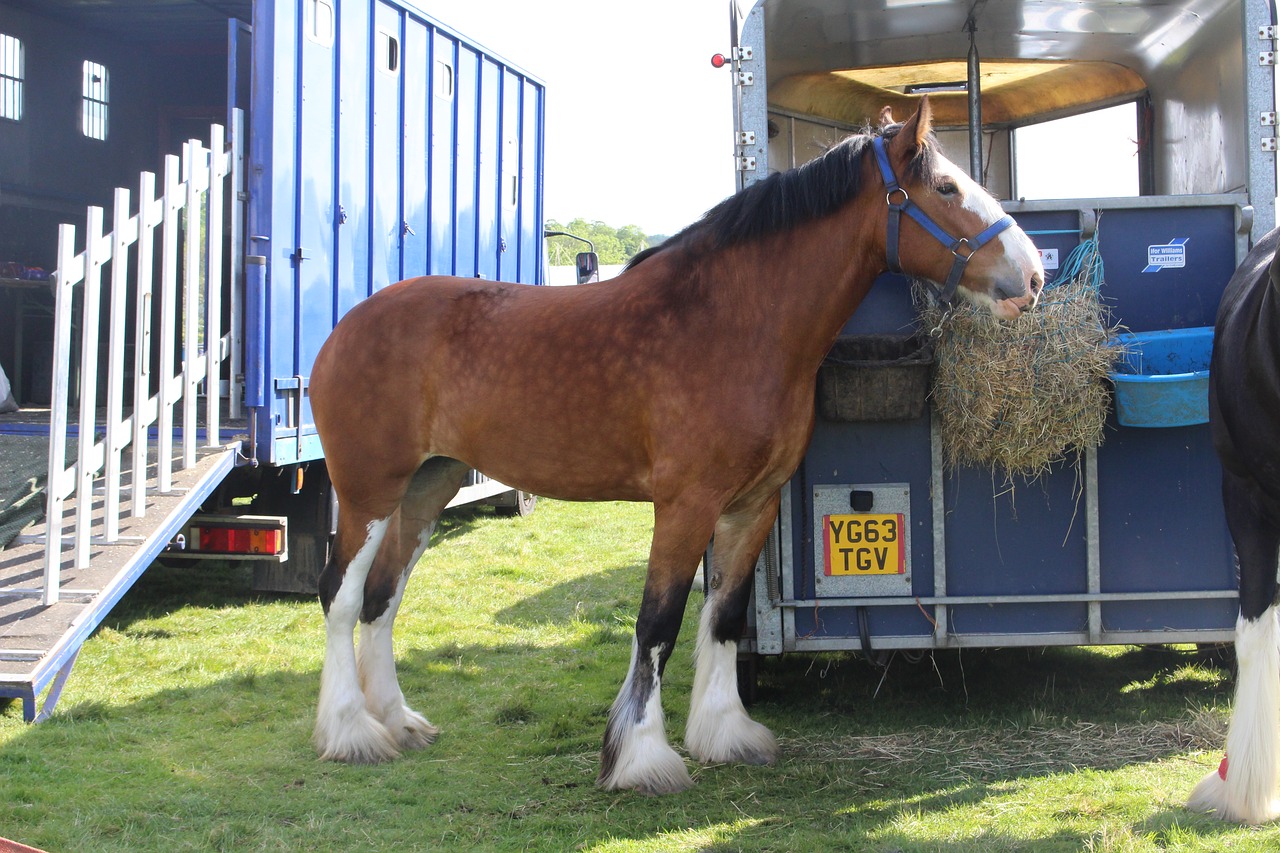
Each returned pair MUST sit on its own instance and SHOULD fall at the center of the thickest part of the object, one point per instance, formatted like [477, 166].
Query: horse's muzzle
[1025, 296]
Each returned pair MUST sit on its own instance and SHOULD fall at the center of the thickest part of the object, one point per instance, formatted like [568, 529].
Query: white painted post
[96, 253]
[168, 317]
[150, 214]
[236, 289]
[192, 167]
[55, 494]
[123, 234]
[213, 289]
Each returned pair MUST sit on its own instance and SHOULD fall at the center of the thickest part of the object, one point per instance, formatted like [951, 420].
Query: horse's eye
[948, 188]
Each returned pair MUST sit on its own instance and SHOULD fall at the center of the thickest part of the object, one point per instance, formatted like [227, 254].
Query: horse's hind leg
[1244, 788]
[345, 730]
[435, 484]
[719, 729]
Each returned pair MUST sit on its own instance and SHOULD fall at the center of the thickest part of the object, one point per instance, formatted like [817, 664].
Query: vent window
[93, 109]
[11, 78]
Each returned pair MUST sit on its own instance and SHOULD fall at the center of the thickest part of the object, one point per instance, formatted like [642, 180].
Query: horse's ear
[886, 116]
[923, 121]
[916, 129]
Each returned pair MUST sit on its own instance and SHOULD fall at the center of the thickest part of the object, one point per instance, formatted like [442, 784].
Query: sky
[639, 123]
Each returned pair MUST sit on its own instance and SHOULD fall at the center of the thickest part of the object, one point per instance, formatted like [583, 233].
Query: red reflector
[719, 60]
[239, 540]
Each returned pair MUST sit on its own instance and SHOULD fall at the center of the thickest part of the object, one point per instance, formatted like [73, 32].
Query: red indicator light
[719, 60]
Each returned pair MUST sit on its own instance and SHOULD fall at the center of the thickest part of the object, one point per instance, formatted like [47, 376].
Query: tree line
[613, 245]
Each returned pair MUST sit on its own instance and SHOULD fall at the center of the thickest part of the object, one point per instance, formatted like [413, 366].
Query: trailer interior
[92, 94]
[1001, 65]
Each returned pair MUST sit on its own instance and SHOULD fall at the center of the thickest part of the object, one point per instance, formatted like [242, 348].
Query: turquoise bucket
[1162, 378]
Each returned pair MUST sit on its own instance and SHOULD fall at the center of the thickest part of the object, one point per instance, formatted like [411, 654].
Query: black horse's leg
[431, 488]
[1244, 788]
[636, 753]
[719, 729]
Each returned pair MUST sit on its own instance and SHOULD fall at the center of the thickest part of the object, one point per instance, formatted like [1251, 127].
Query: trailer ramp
[39, 643]
[132, 445]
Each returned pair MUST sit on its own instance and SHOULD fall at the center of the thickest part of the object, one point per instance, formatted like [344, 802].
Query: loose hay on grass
[967, 755]
[1023, 395]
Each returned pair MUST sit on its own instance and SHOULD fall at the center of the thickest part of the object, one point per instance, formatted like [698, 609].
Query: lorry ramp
[39, 643]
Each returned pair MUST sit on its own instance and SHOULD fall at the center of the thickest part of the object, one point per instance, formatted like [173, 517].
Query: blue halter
[961, 248]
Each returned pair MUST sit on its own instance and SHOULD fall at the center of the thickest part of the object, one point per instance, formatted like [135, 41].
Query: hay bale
[1026, 394]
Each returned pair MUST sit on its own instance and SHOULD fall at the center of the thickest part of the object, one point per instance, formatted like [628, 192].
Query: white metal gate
[187, 219]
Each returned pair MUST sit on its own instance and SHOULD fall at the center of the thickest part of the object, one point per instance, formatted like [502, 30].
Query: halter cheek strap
[961, 248]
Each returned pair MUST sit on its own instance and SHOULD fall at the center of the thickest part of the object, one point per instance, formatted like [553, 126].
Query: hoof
[658, 773]
[360, 740]
[736, 740]
[1214, 795]
[411, 730]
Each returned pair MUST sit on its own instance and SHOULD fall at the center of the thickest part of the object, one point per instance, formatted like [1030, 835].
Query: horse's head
[954, 233]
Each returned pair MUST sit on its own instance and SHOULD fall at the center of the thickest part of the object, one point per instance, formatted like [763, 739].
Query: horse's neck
[808, 282]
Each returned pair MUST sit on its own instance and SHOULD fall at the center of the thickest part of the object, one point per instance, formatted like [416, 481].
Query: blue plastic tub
[1162, 380]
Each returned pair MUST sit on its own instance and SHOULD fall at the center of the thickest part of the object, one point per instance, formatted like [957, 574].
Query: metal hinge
[745, 78]
[1269, 143]
[299, 255]
[1267, 57]
[744, 137]
[743, 54]
[745, 164]
[1267, 119]
[1268, 33]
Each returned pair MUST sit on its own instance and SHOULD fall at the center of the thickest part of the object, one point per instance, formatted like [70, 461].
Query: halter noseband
[961, 248]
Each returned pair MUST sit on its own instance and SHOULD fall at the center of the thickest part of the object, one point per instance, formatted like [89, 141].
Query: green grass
[186, 726]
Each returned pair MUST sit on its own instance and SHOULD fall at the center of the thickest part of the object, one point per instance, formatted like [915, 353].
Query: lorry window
[1091, 155]
[11, 78]
[319, 19]
[388, 58]
[444, 80]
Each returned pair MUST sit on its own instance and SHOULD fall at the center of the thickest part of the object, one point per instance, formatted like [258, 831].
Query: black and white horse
[1244, 416]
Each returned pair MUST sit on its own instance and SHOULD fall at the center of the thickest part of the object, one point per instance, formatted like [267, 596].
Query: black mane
[786, 200]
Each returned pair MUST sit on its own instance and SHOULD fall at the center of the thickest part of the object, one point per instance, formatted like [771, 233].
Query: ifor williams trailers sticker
[1167, 256]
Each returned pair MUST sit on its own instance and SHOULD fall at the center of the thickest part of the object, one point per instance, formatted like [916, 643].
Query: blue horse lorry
[1130, 545]
[378, 145]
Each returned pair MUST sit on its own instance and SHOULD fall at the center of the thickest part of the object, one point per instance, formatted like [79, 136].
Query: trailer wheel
[521, 505]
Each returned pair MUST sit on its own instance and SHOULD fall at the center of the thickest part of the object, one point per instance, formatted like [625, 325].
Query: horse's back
[512, 379]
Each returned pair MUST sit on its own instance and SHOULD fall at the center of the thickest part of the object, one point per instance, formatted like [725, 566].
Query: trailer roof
[146, 20]
[1040, 58]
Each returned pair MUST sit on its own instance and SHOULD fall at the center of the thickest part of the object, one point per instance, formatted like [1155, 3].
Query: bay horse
[1244, 420]
[687, 381]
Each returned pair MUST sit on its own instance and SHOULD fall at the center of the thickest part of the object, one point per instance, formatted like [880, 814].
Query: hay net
[1020, 396]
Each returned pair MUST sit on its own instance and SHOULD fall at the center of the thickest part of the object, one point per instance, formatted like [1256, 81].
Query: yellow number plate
[864, 544]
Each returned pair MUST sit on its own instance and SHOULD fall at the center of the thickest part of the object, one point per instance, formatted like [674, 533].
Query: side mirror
[588, 264]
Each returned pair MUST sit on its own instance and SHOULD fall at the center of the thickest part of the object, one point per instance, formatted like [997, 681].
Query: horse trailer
[1130, 544]
[329, 149]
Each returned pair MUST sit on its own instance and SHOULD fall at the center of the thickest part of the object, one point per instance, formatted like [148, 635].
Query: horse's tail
[1243, 788]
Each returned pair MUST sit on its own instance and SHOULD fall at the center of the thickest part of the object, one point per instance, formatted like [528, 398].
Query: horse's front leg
[1244, 788]
[435, 484]
[636, 753]
[719, 729]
